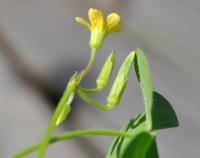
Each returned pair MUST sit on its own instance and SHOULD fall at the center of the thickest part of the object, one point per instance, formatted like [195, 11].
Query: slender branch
[92, 102]
[91, 91]
[70, 135]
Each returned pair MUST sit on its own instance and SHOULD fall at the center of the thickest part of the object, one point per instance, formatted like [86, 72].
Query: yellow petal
[96, 18]
[83, 22]
[114, 23]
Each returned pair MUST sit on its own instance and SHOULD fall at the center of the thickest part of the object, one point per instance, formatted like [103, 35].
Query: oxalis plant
[137, 139]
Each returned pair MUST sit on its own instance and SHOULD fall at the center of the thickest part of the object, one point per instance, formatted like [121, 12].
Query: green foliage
[163, 115]
[144, 77]
[143, 144]
[135, 127]
[152, 151]
[139, 146]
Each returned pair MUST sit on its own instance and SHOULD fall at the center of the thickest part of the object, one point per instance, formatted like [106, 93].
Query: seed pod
[106, 71]
[120, 82]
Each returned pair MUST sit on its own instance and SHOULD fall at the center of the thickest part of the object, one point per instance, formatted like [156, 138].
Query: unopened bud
[117, 90]
[120, 81]
[106, 71]
[65, 110]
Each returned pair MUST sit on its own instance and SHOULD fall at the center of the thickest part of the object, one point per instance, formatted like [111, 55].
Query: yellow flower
[100, 27]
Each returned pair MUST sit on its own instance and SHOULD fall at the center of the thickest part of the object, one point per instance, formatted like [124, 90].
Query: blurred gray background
[41, 46]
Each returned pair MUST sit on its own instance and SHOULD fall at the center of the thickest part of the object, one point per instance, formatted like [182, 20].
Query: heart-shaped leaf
[163, 115]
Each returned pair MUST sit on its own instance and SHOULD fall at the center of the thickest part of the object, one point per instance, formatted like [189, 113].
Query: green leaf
[135, 126]
[142, 142]
[153, 151]
[144, 77]
[139, 146]
[159, 112]
[163, 115]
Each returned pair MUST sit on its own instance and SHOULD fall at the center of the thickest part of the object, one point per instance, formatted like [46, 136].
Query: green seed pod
[120, 82]
[106, 71]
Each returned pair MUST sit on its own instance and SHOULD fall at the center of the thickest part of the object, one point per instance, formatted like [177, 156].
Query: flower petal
[114, 23]
[83, 22]
[96, 19]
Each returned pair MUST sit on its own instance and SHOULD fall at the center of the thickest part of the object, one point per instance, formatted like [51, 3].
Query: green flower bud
[106, 71]
[117, 90]
[65, 110]
[63, 114]
[120, 82]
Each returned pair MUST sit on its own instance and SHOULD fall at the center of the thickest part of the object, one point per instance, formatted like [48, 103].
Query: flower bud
[106, 71]
[117, 90]
[120, 82]
[65, 110]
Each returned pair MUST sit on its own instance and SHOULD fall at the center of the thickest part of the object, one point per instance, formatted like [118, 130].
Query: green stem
[87, 69]
[71, 135]
[91, 91]
[53, 121]
[92, 102]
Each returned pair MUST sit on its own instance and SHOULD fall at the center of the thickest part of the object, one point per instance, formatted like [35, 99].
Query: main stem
[66, 95]
[71, 135]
